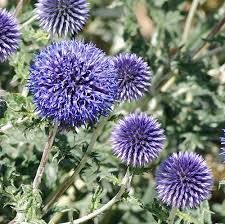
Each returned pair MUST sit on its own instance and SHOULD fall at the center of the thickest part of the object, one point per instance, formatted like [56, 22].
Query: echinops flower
[62, 17]
[72, 83]
[134, 76]
[183, 180]
[9, 35]
[223, 143]
[137, 139]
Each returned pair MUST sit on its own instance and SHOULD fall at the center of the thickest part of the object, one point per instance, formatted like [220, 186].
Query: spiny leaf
[186, 217]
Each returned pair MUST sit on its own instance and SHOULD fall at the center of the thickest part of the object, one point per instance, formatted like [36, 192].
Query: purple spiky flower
[184, 180]
[9, 35]
[72, 83]
[137, 139]
[62, 17]
[223, 143]
[134, 76]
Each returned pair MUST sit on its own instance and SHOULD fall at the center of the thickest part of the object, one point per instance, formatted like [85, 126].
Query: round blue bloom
[9, 35]
[183, 180]
[62, 16]
[223, 143]
[134, 76]
[72, 83]
[137, 139]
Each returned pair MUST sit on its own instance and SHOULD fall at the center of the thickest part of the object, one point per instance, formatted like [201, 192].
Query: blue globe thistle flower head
[223, 143]
[137, 139]
[134, 76]
[62, 17]
[183, 180]
[9, 35]
[72, 83]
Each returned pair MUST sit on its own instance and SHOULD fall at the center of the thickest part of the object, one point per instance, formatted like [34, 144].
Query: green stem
[125, 184]
[69, 180]
[172, 216]
[19, 8]
[216, 29]
[44, 159]
[39, 174]
[188, 22]
[33, 18]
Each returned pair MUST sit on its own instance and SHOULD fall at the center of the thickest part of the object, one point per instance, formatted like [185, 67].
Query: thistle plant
[62, 17]
[134, 76]
[137, 140]
[184, 180]
[9, 35]
[222, 144]
[111, 112]
[73, 83]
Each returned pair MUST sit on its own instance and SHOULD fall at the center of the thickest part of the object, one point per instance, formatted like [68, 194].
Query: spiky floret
[9, 35]
[72, 83]
[62, 17]
[137, 139]
[134, 76]
[184, 180]
[223, 143]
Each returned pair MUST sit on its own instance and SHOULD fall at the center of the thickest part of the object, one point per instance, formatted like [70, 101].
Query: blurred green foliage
[187, 96]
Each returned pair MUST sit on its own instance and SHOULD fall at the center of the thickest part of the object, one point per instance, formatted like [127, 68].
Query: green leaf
[186, 217]
[96, 198]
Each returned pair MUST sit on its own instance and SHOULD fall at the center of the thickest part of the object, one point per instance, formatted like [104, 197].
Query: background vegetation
[187, 95]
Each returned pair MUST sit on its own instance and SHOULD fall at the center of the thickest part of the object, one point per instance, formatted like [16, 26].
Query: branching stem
[125, 184]
[188, 22]
[216, 29]
[69, 180]
[19, 8]
[29, 21]
[44, 159]
[195, 54]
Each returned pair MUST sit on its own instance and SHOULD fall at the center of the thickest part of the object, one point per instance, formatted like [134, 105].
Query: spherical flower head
[9, 35]
[137, 139]
[62, 17]
[223, 143]
[183, 180]
[72, 83]
[134, 76]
